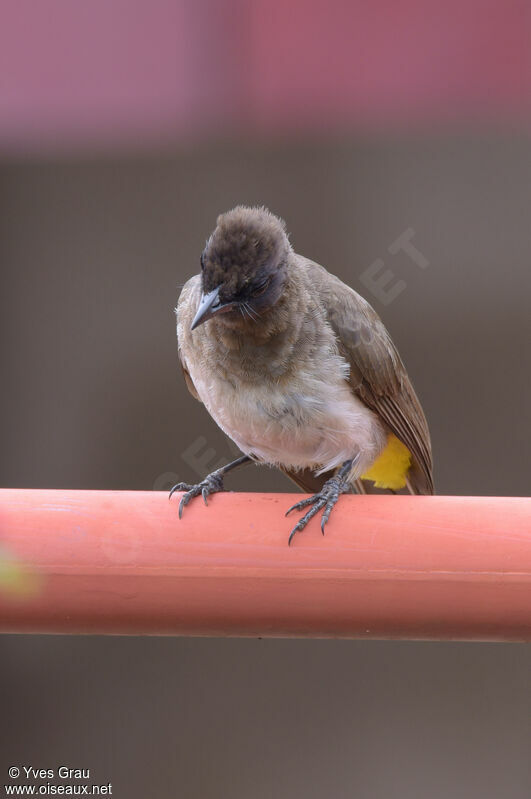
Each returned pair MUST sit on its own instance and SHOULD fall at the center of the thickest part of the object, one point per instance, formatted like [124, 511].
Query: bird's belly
[316, 424]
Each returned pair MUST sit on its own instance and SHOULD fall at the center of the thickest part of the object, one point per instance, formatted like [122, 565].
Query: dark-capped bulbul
[297, 369]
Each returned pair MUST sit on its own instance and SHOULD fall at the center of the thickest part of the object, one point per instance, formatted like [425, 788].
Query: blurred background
[394, 139]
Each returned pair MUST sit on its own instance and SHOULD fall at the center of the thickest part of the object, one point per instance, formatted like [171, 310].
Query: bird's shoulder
[188, 299]
[185, 310]
[377, 374]
[361, 335]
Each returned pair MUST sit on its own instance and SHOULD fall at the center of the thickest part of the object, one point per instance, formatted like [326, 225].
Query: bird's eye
[261, 287]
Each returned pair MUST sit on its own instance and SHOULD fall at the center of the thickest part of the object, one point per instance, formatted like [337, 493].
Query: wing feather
[377, 375]
[186, 307]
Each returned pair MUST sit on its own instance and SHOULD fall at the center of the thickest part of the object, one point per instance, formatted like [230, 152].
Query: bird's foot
[210, 485]
[326, 498]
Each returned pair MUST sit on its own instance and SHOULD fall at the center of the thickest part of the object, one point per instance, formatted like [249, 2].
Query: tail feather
[417, 483]
[310, 483]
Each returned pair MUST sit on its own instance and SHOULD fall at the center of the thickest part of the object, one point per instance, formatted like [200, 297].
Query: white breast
[317, 422]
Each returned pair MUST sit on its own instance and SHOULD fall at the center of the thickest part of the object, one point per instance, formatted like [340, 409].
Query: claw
[327, 511]
[326, 497]
[302, 504]
[176, 487]
[180, 487]
[185, 499]
[210, 485]
[301, 524]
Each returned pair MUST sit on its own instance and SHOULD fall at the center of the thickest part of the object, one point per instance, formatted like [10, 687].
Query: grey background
[92, 254]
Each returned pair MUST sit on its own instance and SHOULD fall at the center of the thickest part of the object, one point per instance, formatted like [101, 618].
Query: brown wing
[312, 483]
[377, 374]
[186, 307]
[306, 479]
[188, 380]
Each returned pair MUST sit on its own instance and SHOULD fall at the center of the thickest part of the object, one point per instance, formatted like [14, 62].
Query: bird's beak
[209, 305]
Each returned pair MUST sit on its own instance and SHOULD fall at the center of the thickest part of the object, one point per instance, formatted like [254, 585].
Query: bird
[298, 370]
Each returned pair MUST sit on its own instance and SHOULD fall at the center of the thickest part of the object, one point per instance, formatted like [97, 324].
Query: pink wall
[390, 61]
[113, 71]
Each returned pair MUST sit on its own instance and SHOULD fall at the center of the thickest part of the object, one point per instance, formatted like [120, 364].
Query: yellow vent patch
[390, 469]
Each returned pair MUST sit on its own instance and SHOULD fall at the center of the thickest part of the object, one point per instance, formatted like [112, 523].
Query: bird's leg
[326, 498]
[210, 485]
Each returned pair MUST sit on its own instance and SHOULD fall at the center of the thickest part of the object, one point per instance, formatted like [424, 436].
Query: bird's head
[243, 266]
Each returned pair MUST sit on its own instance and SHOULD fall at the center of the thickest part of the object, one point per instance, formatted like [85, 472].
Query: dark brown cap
[247, 245]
